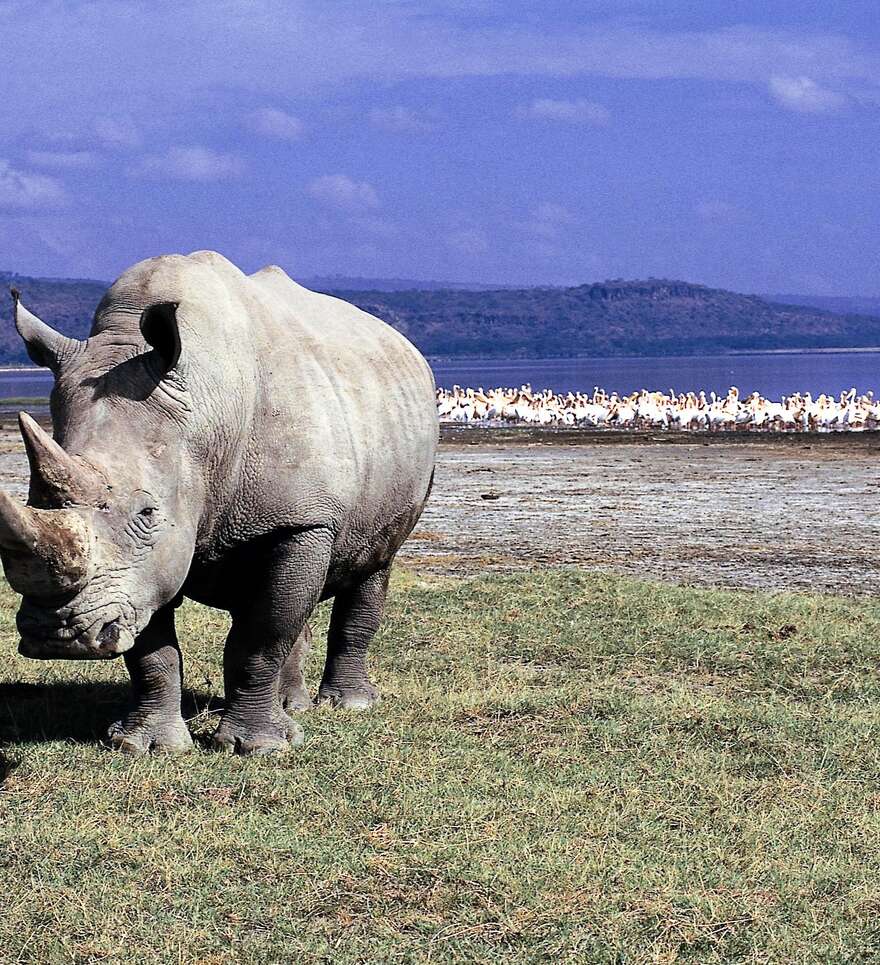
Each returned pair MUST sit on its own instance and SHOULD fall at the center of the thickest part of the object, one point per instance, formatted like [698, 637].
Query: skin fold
[238, 440]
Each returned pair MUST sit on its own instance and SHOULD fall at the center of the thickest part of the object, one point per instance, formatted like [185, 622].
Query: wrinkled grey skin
[235, 439]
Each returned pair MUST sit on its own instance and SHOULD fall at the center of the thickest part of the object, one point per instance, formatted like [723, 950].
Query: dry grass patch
[566, 767]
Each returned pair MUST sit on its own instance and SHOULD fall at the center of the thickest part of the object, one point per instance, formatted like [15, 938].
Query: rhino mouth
[102, 640]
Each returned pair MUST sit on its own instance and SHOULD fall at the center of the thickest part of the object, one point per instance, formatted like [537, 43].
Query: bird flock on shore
[690, 411]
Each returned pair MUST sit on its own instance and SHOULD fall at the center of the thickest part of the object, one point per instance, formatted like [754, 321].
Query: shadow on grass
[80, 712]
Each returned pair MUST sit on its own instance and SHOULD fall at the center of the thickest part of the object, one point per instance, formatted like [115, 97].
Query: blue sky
[728, 143]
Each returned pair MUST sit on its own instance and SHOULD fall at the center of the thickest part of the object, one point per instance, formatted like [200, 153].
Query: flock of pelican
[690, 411]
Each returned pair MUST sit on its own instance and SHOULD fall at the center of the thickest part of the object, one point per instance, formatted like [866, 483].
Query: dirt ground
[792, 512]
[769, 512]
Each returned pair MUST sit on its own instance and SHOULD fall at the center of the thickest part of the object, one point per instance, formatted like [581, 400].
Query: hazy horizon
[521, 144]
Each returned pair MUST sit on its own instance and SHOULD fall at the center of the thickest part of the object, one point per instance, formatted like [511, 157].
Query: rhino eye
[142, 525]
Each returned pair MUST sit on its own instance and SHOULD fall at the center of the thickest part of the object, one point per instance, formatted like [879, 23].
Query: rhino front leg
[264, 631]
[154, 721]
[356, 615]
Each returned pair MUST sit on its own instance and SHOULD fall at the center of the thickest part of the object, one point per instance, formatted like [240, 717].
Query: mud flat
[770, 512]
[741, 510]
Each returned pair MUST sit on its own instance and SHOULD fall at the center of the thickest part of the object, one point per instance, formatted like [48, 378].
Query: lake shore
[525, 435]
[737, 510]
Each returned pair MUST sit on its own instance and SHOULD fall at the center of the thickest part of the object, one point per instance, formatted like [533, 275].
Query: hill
[843, 304]
[347, 283]
[653, 317]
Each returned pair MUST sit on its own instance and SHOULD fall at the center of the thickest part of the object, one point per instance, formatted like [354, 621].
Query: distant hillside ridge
[348, 283]
[651, 317]
[611, 318]
[842, 304]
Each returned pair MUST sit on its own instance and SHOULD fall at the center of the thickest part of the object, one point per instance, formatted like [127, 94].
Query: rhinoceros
[235, 439]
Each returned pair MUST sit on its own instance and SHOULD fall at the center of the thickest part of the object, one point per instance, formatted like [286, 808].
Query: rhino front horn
[44, 345]
[45, 552]
[18, 528]
[57, 478]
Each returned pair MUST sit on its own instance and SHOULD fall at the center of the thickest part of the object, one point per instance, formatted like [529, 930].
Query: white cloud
[399, 120]
[191, 164]
[63, 159]
[273, 122]
[174, 51]
[25, 190]
[118, 132]
[804, 95]
[578, 111]
[341, 191]
[177, 55]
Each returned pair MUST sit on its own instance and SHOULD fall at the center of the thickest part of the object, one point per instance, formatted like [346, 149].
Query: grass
[566, 767]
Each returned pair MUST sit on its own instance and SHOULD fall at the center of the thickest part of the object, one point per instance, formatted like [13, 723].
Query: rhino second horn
[56, 476]
[45, 552]
[44, 345]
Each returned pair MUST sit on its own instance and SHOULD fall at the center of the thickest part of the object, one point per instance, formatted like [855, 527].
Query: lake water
[31, 384]
[771, 375]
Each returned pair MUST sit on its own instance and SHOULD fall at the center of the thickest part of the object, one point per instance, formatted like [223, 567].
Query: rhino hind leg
[356, 615]
[292, 690]
[266, 627]
[154, 722]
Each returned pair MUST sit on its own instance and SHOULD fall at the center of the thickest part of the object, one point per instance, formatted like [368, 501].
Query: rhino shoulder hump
[276, 275]
[207, 257]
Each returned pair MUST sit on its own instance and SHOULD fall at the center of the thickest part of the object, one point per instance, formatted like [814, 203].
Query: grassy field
[566, 768]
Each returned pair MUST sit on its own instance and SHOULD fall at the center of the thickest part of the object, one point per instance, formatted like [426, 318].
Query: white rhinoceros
[236, 439]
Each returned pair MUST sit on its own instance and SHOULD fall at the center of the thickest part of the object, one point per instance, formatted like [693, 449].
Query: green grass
[565, 768]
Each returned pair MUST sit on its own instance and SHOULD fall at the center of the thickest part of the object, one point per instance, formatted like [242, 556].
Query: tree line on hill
[652, 317]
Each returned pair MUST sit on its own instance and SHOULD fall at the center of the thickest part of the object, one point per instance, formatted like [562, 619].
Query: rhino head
[104, 540]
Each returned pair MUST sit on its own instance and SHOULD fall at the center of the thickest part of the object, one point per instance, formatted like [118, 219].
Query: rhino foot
[362, 697]
[276, 738]
[157, 737]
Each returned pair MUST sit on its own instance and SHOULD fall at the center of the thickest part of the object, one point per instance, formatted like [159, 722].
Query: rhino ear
[159, 328]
